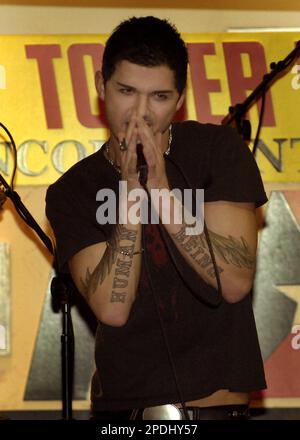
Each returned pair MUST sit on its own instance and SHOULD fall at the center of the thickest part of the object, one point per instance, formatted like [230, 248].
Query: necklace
[169, 141]
[118, 169]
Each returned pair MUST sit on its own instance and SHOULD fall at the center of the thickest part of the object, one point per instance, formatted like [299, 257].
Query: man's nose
[142, 106]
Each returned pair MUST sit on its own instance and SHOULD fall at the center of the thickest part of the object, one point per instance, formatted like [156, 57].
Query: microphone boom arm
[238, 111]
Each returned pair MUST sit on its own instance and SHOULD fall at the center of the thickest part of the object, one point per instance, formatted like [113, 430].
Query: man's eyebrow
[133, 88]
[125, 85]
[163, 91]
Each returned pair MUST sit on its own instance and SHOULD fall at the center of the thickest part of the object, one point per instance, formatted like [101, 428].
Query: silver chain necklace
[118, 169]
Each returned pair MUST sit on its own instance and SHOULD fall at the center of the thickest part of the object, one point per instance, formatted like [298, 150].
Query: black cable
[18, 204]
[261, 116]
[211, 251]
[162, 327]
[15, 155]
[143, 179]
[67, 338]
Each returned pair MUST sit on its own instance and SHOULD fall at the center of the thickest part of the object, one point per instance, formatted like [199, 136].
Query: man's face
[148, 91]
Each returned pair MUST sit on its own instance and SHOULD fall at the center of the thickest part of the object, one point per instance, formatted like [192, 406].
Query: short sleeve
[73, 222]
[234, 173]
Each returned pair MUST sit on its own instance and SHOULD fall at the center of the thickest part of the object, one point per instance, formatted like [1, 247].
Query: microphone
[141, 165]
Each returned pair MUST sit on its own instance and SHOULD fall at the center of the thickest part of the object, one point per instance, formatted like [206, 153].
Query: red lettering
[44, 54]
[202, 86]
[76, 54]
[239, 83]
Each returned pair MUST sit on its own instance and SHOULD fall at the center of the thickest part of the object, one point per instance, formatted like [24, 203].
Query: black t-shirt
[213, 343]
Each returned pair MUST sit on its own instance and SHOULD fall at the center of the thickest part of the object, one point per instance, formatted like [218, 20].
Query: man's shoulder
[198, 138]
[207, 135]
[198, 131]
[81, 171]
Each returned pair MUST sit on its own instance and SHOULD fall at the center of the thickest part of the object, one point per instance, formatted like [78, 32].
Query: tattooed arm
[106, 277]
[233, 235]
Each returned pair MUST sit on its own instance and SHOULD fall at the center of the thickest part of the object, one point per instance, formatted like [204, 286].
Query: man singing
[176, 326]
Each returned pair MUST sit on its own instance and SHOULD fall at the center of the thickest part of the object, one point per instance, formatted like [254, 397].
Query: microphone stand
[60, 290]
[236, 113]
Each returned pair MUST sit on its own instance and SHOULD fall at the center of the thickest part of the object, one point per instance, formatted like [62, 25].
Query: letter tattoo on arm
[229, 249]
[110, 258]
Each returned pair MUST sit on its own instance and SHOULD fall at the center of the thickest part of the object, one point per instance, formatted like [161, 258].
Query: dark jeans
[224, 412]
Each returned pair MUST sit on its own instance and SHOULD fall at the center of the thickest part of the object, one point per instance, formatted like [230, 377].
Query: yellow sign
[49, 103]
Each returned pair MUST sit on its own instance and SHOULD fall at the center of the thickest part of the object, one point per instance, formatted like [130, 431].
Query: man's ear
[181, 99]
[99, 83]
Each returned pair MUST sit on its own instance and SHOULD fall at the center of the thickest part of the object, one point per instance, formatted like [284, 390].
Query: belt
[171, 412]
[224, 412]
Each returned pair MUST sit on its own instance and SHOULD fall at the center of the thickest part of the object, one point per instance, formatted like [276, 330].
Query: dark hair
[147, 41]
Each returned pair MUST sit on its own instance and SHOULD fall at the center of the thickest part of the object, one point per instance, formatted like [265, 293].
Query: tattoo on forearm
[122, 269]
[212, 272]
[127, 234]
[232, 250]
[110, 258]
[118, 297]
[229, 249]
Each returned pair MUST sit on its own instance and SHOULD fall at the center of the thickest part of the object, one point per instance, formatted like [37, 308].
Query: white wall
[15, 19]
